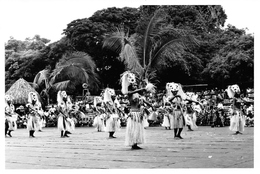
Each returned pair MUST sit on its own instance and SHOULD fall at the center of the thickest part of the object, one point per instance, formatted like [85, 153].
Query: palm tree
[144, 54]
[71, 71]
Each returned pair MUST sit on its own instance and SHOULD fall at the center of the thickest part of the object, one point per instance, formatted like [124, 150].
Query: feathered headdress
[170, 87]
[107, 94]
[62, 98]
[126, 79]
[8, 98]
[59, 98]
[149, 86]
[32, 96]
[232, 90]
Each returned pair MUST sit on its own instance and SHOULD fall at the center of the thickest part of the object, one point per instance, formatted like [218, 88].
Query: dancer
[176, 96]
[167, 116]
[135, 126]
[41, 120]
[100, 115]
[34, 106]
[10, 118]
[237, 120]
[111, 112]
[65, 124]
[189, 117]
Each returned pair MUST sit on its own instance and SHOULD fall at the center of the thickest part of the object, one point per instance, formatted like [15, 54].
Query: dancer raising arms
[135, 125]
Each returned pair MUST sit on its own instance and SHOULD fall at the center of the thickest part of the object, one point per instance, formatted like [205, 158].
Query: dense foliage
[203, 52]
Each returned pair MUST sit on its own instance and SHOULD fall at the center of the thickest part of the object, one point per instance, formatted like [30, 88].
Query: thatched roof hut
[20, 90]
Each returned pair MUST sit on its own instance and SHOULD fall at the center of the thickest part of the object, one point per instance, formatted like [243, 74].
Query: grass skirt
[40, 123]
[11, 123]
[134, 129]
[63, 124]
[146, 124]
[237, 123]
[190, 120]
[152, 116]
[32, 123]
[112, 123]
[71, 124]
[99, 123]
[166, 120]
[178, 120]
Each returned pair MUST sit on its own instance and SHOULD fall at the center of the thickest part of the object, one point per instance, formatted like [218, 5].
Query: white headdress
[192, 96]
[175, 87]
[149, 86]
[61, 95]
[32, 96]
[8, 98]
[107, 94]
[232, 90]
[127, 78]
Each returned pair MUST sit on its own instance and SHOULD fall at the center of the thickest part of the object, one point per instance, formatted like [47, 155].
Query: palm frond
[129, 56]
[41, 77]
[116, 41]
[82, 59]
[150, 31]
[167, 49]
[61, 85]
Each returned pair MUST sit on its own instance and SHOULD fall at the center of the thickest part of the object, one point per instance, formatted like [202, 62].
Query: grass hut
[20, 90]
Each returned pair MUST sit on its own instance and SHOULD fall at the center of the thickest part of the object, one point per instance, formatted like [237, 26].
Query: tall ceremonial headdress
[8, 98]
[63, 98]
[177, 88]
[107, 94]
[32, 96]
[233, 91]
[9, 105]
[127, 78]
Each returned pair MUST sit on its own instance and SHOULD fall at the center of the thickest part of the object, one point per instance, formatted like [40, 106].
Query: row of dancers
[175, 116]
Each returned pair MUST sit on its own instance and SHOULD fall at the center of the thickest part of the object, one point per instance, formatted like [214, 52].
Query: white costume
[65, 123]
[111, 118]
[34, 115]
[10, 116]
[135, 125]
[237, 121]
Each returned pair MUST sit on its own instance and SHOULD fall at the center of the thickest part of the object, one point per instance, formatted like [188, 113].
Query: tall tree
[144, 54]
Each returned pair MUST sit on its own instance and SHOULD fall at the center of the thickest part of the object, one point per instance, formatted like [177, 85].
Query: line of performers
[177, 106]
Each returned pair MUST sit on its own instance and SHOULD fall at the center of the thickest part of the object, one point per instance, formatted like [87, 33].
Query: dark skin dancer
[134, 97]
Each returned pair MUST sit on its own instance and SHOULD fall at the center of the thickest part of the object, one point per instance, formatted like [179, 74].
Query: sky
[48, 18]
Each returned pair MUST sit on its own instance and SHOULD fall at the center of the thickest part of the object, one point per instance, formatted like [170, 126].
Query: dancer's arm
[136, 91]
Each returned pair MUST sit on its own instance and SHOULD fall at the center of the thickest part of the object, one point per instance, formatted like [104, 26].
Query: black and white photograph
[129, 85]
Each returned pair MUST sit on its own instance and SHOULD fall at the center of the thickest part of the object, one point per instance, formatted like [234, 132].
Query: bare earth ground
[87, 149]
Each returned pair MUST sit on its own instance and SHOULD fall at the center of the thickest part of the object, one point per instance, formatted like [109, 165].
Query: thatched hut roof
[20, 90]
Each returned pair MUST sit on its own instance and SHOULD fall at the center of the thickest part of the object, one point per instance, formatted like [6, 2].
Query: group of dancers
[179, 110]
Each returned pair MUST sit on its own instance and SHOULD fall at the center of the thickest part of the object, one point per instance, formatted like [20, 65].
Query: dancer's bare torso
[134, 100]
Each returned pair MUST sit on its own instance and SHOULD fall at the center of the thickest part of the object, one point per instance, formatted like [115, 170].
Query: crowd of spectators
[214, 104]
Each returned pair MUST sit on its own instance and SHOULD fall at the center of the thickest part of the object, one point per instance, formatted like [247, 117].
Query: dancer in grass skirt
[135, 126]
[10, 116]
[34, 106]
[65, 123]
